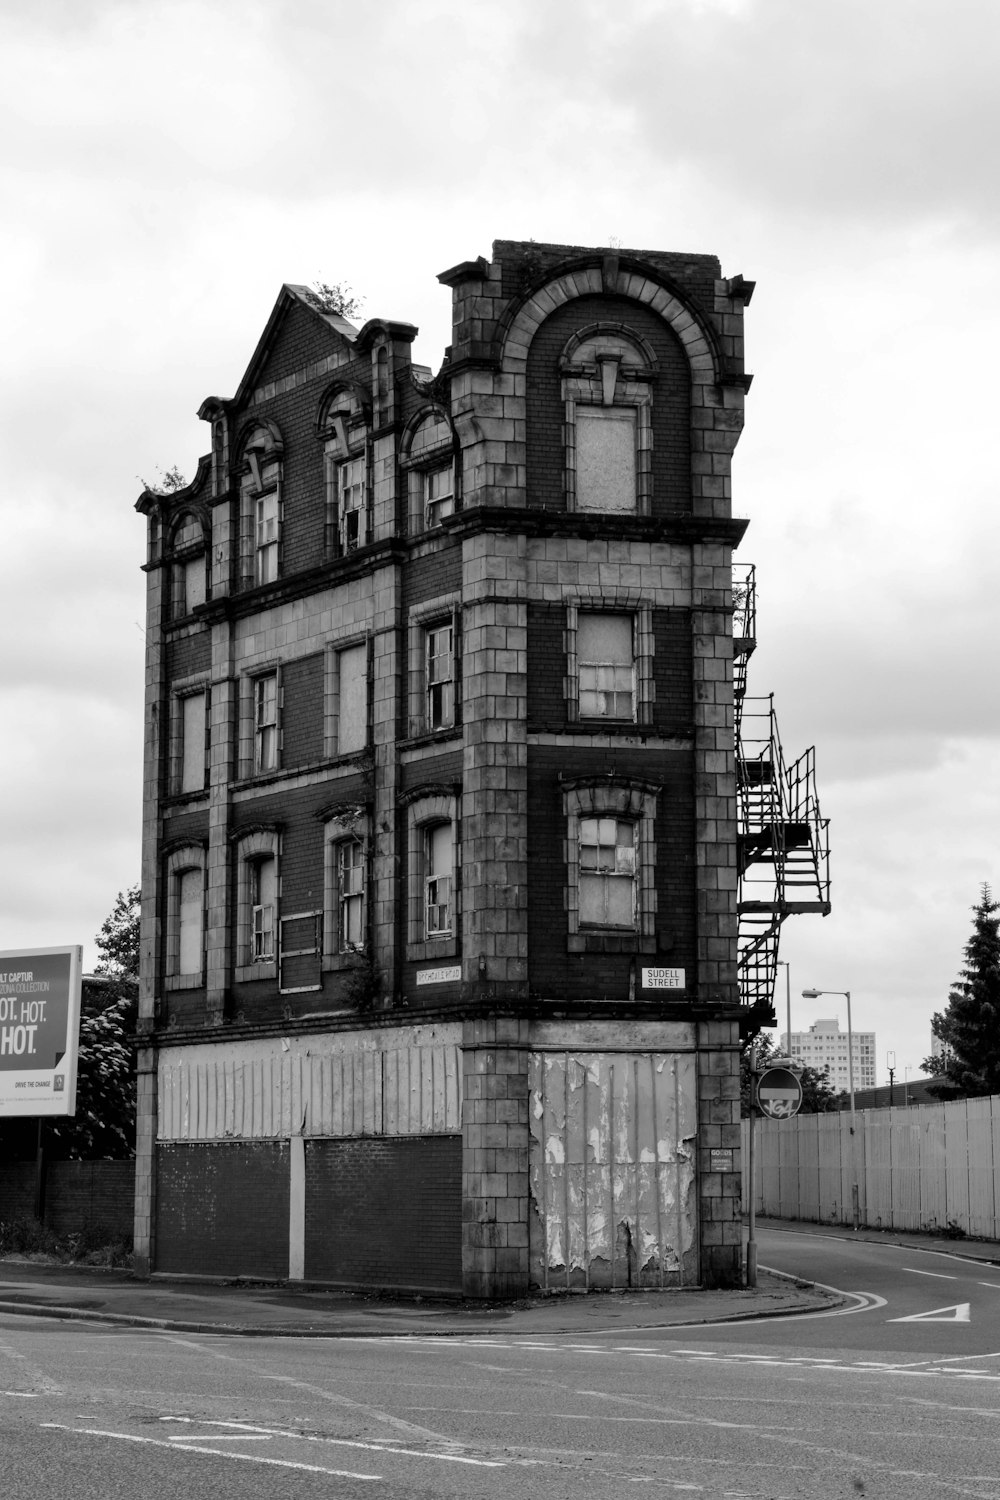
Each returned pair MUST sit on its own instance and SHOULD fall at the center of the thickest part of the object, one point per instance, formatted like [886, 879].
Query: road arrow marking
[957, 1314]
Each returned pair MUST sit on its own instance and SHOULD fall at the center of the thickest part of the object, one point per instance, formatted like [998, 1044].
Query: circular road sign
[779, 1093]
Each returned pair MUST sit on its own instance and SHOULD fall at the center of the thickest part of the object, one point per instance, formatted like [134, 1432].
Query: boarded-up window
[352, 676]
[194, 583]
[190, 912]
[606, 458]
[193, 743]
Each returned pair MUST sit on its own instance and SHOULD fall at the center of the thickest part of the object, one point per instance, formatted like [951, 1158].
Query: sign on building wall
[39, 1030]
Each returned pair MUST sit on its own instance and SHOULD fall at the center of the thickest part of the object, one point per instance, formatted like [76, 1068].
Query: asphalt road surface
[895, 1395]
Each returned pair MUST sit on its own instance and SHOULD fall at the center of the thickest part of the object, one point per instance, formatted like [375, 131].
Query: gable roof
[291, 295]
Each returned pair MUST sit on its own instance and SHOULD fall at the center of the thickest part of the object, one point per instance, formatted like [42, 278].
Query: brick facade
[432, 836]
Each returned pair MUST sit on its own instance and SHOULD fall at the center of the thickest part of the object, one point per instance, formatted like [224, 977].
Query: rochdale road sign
[779, 1094]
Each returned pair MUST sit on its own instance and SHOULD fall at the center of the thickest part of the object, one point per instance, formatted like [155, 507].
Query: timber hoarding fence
[929, 1166]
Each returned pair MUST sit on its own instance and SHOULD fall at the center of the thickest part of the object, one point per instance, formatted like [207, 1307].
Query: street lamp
[815, 995]
[784, 964]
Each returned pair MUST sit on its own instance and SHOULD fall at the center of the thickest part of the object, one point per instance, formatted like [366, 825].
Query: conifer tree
[968, 1031]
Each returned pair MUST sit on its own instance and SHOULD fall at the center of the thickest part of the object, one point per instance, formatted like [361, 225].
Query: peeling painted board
[638, 1037]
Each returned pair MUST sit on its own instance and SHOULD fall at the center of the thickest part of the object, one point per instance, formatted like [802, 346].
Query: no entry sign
[779, 1094]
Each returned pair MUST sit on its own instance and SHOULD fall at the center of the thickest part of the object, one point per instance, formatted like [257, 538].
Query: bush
[93, 1245]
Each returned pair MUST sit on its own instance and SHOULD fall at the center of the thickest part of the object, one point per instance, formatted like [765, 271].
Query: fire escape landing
[783, 847]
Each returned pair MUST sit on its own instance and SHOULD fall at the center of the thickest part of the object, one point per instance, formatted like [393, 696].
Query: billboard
[39, 1030]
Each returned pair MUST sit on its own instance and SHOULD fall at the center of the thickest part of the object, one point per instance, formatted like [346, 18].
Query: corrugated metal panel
[928, 1166]
[612, 1169]
[404, 1082]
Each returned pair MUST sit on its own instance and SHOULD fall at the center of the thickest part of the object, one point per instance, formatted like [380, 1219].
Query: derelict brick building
[443, 847]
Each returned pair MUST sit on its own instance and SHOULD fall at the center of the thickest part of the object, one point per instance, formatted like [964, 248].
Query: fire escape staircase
[783, 847]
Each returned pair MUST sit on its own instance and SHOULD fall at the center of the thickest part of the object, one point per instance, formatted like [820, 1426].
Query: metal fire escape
[783, 846]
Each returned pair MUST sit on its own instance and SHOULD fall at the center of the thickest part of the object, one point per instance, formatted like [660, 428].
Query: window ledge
[431, 949]
[351, 962]
[184, 982]
[246, 973]
[609, 942]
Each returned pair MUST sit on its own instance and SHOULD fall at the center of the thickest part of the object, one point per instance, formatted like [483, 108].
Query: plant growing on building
[337, 297]
[968, 1030]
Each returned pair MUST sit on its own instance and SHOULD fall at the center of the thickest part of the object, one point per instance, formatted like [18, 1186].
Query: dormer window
[343, 425]
[188, 573]
[428, 457]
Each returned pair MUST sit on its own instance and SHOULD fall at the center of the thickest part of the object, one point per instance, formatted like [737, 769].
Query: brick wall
[595, 976]
[222, 1210]
[78, 1194]
[385, 1212]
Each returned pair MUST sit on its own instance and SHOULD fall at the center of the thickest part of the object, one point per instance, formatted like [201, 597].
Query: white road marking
[958, 1313]
[28, 1395]
[939, 1275]
[245, 1429]
[250, 1458]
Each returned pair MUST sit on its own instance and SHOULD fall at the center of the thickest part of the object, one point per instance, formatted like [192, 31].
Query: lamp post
[784, 964]
[855, 1196]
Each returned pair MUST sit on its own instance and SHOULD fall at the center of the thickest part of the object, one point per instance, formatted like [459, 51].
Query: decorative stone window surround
[252, 845]
[260, 470]
[428, 446]
[344, 429]
[188, 687]
[189, 545]
[423, 617]
[180, 860]
[331, 713]
[427, 809]
[612, 797]
[610, 600]
[348, 823]
[610, 367]
[247, 720]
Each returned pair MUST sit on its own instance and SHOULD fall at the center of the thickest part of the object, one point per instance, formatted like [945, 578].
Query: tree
[118, 940]
[104, 1123]
[969, 1029]
[818, 1097]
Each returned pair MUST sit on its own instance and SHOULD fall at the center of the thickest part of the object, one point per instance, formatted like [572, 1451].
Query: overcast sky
[167, 166]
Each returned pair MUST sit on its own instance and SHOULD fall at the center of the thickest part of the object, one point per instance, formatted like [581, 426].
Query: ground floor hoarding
[39, 1030]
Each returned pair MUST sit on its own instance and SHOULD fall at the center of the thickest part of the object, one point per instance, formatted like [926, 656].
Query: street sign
[779, 1094]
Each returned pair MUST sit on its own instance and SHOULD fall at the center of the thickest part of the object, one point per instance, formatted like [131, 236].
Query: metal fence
[931, 1166]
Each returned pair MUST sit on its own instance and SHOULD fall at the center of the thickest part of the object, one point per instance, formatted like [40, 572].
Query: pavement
[185, 1304]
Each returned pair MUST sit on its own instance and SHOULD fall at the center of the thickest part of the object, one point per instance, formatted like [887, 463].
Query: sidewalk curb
[241, 1330]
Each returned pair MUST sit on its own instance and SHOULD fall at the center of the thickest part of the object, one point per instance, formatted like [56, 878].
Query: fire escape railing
[783, 848]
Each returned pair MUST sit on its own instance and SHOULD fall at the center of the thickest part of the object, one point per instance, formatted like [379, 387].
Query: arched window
[189, 564]
[258, 894]
[428, 460]
[607, 373]
[433, 859]
[185, 926]
[343, 426]
[261, 513]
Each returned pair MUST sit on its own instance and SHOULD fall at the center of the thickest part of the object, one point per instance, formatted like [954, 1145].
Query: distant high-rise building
[824, 1045]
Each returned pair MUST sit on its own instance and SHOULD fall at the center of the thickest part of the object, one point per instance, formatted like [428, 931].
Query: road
[897, 1395]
